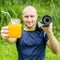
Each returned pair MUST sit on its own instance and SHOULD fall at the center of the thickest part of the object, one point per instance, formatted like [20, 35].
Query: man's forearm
[54, 45]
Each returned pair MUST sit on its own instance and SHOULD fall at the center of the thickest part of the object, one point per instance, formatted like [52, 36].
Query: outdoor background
[14, 7]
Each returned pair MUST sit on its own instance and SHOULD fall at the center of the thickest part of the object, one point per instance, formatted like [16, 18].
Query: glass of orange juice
[15, 28]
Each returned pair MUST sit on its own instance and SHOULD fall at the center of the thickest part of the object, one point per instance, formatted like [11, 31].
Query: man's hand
[4, 32]
[48, 28]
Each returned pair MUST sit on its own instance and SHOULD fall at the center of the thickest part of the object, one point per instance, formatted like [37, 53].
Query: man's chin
[29, 26]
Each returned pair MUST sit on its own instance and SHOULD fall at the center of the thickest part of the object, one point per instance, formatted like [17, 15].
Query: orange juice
[15, 30]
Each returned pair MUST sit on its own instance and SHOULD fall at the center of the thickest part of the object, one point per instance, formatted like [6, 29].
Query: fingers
[4, 36]
[4, 32]
[4, 28]
[44, 28]
[51, 22]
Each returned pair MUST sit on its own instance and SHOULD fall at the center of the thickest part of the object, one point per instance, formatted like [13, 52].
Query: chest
[31, 38]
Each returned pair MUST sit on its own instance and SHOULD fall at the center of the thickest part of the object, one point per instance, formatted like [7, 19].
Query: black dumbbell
[45, 21]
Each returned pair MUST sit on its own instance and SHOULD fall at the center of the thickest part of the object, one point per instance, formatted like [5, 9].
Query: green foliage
[7, 51]
[51, 56]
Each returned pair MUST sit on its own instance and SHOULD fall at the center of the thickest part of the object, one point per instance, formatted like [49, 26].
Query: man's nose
[29, 18]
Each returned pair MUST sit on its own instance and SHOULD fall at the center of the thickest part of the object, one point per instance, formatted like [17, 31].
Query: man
[32, 44]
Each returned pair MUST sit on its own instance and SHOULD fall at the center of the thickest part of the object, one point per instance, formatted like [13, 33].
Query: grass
[51, 56]
[8, 51]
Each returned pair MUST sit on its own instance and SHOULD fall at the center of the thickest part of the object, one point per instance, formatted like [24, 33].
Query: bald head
[30, 9]
[29, 16]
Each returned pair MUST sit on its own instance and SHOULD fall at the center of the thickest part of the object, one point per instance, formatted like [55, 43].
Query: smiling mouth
[30, 26]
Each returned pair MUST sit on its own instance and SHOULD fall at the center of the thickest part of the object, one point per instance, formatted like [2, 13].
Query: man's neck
[29, 29]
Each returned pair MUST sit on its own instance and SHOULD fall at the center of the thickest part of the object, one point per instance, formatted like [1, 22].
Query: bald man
[32, 44]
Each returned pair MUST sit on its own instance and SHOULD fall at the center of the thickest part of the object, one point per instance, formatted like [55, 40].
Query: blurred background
[14, 7]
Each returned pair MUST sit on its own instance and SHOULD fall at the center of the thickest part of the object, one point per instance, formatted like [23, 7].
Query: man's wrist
[49, 33]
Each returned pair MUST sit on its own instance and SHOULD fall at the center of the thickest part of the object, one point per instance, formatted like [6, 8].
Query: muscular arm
[53, 43]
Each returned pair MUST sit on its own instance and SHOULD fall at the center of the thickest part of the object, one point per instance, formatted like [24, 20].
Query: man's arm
[53, 43]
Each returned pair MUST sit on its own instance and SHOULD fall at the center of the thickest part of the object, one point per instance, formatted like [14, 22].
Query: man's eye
[32, 16]
[26, 16]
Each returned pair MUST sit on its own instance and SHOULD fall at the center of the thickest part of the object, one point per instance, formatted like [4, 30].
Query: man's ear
[36, 16]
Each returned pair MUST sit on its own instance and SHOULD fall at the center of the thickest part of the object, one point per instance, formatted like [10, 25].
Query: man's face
[29, 18]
